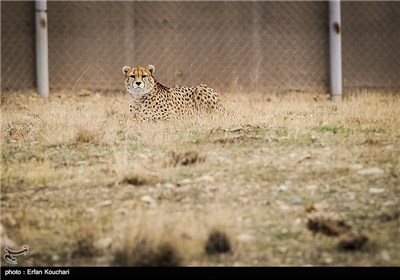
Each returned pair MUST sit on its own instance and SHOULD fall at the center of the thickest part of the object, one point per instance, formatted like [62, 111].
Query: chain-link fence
[230, 45]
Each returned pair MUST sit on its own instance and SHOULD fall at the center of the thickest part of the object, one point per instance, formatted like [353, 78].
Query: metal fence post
[42, 60]
[335, 49]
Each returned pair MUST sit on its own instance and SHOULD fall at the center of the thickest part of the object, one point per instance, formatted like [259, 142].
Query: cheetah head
[139, 80]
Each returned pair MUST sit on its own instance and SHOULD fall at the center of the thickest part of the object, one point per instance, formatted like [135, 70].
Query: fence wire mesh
[230, 45]
[17, 46]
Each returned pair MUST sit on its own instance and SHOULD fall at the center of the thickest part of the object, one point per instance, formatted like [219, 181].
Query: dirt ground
[282, 180]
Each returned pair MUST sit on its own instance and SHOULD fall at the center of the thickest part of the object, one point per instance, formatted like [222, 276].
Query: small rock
[147, 199]
[55, 258]
[245, 238]
[129, 203]
[103, 243]
[356, 166]
[265, 202]
[206, 179]
[105, 203]
[282, 205]
[370, 171]
[183, 182]
[311, 187]
[282, 249]
[212, 188]
[385, 255]
[199, 206]
[321, 205]
[376, 190]
[90, 211]
[169, 186]
[105, 190]
[283, 187]
[351, 195]
[9, 220]
[297, 221]
[297, 200]
[142, 156]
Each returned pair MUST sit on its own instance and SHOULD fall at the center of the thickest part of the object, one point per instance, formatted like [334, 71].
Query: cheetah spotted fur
[150, 100]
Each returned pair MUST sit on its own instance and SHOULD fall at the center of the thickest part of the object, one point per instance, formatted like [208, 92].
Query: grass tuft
[85, 238]
[145, 253]
[186, 158]
[218, 242]
[86, 135]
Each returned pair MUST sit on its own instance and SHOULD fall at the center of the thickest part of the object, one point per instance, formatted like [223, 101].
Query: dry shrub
[237, 139]
[85, 135]
[136, 176]
[332, 225]
[326, 223]
[132, 172]
[145, 252]
[218, 242]
[221, 231]
[155, 241]
[387, 217]
[352, 241]
[186, 158]
[85, 237]
[136, 179]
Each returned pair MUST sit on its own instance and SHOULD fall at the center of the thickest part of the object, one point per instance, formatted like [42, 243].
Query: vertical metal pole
[335, 47]
[42, 60]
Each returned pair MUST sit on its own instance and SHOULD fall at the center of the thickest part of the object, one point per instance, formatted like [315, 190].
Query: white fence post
[42, 60]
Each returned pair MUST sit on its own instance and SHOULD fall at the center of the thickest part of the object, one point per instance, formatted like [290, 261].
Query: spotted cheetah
[150, 100]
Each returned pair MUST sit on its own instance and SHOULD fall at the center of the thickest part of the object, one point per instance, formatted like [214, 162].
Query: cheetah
[150, 100]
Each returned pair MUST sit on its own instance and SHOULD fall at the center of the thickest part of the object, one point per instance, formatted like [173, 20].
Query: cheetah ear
[125, 69]
[152, 69]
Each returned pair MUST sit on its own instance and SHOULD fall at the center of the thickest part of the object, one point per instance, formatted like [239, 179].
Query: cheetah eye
[132, 76]
[144, 76]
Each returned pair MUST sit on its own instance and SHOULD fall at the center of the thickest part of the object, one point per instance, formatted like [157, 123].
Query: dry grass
[82, 183]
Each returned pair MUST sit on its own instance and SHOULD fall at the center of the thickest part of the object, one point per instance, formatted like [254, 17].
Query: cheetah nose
[138, 83]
